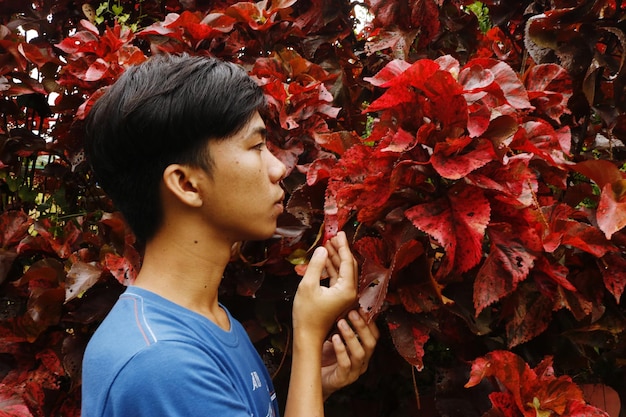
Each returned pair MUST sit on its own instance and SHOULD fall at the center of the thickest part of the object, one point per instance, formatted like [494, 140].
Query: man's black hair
[161, 112]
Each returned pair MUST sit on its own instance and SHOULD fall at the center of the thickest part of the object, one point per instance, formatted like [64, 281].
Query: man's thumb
[316, 266]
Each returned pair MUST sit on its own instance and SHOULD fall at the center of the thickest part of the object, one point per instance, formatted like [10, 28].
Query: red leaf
[509, 262]
[452, 160]
[580, 409]
[123, 268]
[611, 213]
[401, 141]
[38, 56]
[50, 360]
[359, 182]
[554, 271]
[510, 370]
[12, 405]
[600, 171]
[457, 223]
[6, 261]
[408, 336]
[120, 232]
[337, 142]
[556, 394]
[475, 77]
[61, 243]
[565, 229]
[392, 70]
[96, 71]
[398, 40]
[506, 79]
[81, 41]
[540, 139]
[373, 287]
[253, 14]
[190, 23]
[319, 169]
[505, 403]
[512, 181]
[549, 89]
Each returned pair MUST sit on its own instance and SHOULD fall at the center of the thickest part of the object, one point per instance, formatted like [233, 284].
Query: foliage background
[473, 152]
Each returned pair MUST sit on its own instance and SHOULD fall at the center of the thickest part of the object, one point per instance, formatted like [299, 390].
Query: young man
[179, 145]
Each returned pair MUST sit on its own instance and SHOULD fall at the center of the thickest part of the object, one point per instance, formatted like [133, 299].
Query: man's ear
[183, 183]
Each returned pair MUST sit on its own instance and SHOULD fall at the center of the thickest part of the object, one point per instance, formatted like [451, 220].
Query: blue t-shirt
[153, 358]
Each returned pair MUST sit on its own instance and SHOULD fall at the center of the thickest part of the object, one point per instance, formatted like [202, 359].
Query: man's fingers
[316, 267]
[347, 263]
[333, 262]
[341, 354]
[368, 333]
[357, 352]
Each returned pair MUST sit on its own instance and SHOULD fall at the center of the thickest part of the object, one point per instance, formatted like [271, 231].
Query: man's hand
[316, 307]
[346, 356]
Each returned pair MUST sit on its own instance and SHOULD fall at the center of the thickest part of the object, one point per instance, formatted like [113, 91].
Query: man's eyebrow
[260, 130]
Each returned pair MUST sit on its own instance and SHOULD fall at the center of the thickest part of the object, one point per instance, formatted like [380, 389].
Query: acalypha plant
[473, 152]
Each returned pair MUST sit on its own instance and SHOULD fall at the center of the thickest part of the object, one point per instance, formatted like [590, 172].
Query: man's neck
[186, 271]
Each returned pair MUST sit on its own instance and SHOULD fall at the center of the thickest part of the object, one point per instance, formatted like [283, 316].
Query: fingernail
[354, 316]
[343, 324]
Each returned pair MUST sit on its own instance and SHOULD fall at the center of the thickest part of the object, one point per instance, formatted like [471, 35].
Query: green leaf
[104, 6]
[117, 10]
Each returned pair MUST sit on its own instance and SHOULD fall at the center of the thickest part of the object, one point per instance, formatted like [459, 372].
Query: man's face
[244, 197]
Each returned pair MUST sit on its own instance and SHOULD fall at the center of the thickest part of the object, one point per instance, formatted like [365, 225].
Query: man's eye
[259, 146]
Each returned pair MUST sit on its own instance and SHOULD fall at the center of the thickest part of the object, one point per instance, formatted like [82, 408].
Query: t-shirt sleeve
[171, 379]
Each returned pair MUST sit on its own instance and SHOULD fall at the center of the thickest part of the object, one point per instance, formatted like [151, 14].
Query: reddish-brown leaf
[613, 269]
[425, 15]
[14, 226]
[43, 274]
[603, 397]
[80, 278]
[509, 262]
[408, 336]
[44, 309]
[532, 313]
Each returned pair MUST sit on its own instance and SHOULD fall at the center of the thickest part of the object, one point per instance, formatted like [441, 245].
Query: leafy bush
[474, 153]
